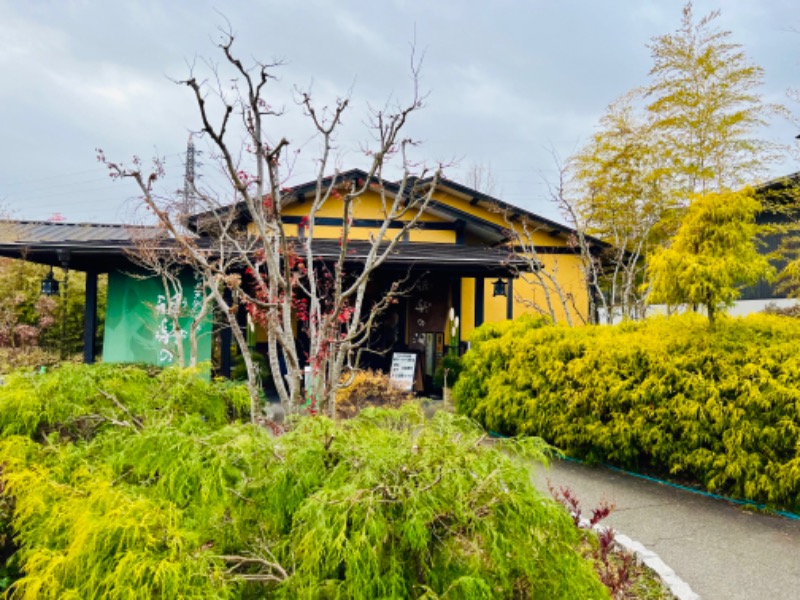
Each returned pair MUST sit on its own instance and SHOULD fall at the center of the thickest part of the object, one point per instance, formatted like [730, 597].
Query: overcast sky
[508, 81]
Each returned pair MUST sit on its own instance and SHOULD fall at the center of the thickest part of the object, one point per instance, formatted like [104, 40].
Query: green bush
[31, 357]
[142, 490]
[448, 371]
[75, 399]
[719, 407]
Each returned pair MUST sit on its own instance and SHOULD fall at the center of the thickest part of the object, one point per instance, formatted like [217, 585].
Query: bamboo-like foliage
[669, 395]
[161, 497]
[705, 101]
[619, 184]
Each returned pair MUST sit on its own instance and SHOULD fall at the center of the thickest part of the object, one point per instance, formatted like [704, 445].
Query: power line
[98, 168]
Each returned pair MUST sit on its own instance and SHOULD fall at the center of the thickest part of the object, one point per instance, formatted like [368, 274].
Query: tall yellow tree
[706, 109]
[712, 256]
[621, 194]
[696, 127]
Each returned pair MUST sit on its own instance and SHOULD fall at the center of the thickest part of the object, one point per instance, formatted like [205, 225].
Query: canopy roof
[101, 248]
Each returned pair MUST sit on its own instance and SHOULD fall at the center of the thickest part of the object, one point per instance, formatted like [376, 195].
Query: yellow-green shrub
[718, 406]
[76, 398]
[162, 499]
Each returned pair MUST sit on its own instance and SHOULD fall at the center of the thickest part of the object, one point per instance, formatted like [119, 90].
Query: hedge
[718, 407]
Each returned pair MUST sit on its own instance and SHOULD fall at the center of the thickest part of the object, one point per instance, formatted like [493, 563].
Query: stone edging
[679, 588]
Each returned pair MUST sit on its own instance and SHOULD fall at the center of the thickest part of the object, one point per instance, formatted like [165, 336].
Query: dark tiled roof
[105, 247]
[83, 246]
[37, 232]
[780, 183]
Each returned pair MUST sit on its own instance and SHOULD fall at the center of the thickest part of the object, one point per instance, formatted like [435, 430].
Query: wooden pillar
[479, 295]
[510, 299]
[90, 319]
[225, 341]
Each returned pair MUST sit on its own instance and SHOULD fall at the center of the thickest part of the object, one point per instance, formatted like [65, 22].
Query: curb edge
[679, 588]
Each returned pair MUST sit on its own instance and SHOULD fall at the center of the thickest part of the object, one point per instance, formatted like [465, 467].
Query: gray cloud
[508, 81]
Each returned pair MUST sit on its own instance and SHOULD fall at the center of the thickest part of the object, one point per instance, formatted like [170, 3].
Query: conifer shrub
[716, 406]
[162, 497]
[447, 373]
[34, 357]
[78, 398]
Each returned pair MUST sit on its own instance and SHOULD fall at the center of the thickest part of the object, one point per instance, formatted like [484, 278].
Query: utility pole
[188, 179]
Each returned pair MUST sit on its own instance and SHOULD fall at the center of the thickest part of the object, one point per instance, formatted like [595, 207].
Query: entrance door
[428, 305]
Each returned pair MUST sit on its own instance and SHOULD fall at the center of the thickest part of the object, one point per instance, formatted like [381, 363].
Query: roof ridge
[78, 224]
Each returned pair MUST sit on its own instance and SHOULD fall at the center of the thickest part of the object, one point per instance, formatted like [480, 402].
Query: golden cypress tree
[712, 255]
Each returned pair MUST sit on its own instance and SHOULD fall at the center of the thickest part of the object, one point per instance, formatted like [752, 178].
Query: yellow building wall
[572, 281]
[494, 307]
[467, 306]
[527, 294]
[367, 206]
[363, 233]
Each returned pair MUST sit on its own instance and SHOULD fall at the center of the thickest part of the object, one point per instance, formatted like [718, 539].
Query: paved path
[721, 551]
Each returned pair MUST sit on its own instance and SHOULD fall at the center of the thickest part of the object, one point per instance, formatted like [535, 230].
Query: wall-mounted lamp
[50, 284]
[499, 287]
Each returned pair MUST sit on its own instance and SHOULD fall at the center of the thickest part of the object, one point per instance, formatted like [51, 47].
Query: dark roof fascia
[350, 175]
[503, 206]
[99, 257]
[103, 256]
[502, 232]
[293, 192]
[467, 261]
[779, 183]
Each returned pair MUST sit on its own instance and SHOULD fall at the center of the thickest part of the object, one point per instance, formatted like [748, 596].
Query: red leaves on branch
[345, 314]
[296, 263]
[300, 306]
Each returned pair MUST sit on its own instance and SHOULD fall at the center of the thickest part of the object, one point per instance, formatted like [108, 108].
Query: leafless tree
[183, 310]
[248, 255]
[481, 177]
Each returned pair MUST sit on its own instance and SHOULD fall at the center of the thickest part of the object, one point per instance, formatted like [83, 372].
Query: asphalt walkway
[722, 551]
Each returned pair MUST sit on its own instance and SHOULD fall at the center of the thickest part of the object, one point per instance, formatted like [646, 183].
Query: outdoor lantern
[50, 284]
[499, 287]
